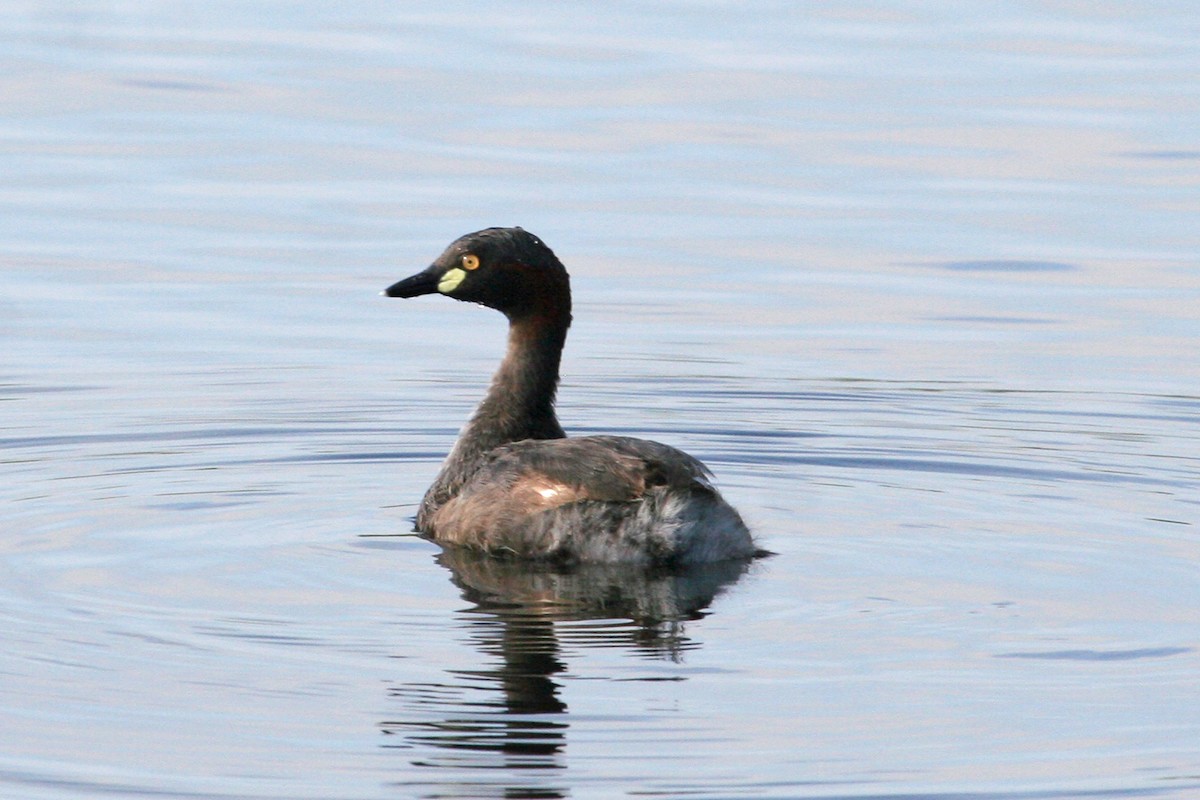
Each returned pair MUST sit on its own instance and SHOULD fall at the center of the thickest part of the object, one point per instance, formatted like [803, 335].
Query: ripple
[1101, 655]
[1009, 266]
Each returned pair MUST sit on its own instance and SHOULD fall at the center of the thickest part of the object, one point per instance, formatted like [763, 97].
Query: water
[919, 284]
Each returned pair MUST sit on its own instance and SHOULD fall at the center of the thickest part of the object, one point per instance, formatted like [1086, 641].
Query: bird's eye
[470, 261]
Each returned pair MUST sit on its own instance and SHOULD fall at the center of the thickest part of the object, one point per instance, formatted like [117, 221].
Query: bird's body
[514, 483]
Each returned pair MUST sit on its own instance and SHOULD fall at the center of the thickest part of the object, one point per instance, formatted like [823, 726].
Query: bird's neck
[519, 403]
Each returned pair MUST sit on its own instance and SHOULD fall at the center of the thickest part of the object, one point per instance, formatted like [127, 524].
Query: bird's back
[592, 499]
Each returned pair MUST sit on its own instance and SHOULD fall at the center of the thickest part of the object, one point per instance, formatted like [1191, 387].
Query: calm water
[920, 283]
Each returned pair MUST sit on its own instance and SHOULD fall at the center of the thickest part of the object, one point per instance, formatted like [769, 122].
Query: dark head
[508, 269]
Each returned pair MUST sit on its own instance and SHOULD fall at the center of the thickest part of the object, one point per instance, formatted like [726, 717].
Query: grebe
[514, 484]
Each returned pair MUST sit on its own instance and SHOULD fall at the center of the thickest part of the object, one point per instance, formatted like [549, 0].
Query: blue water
[918, 281]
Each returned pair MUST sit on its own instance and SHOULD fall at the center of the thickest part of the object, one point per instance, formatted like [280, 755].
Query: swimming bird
[514, 484]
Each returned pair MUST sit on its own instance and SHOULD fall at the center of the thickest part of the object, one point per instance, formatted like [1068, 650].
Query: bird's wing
[611, 468]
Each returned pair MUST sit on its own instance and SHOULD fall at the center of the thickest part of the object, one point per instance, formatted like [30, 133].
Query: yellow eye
[470, 261]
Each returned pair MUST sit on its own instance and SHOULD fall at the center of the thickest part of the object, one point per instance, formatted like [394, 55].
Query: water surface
[919, 285]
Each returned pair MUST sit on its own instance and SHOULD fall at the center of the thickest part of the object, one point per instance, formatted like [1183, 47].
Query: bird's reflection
[502, 728]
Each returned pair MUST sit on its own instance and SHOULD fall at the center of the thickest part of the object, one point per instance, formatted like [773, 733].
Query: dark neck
[519, 404]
